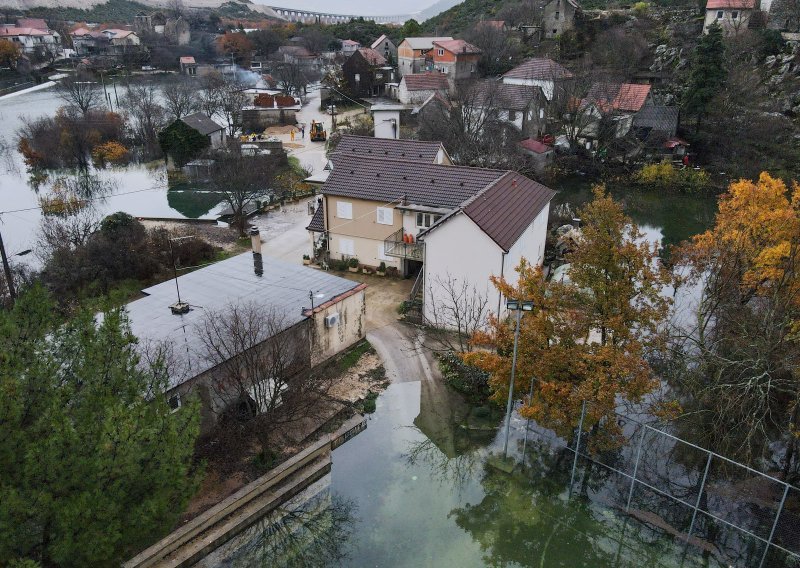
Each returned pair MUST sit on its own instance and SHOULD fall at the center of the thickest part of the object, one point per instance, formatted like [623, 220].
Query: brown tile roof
[419, 183]
[426, 81]
[618, 96]
[506, 208]
[504, 96]
[539, 68]
[457, 46]
[731, 4]
[535, 146]
[317, 223]
[201, 123]
[386, 149]
[371, 56]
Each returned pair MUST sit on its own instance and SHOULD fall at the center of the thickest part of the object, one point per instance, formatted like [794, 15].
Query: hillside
[124, 10]
[464, 15]
[435, 9]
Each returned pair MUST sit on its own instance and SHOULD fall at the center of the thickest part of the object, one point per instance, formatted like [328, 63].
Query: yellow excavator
[318, 133]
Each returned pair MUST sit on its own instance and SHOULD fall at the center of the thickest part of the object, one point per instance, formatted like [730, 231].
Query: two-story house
[389, 202]
[456, 58]
[32, 35]
[367, 73]
[413, 54]
[417, 88]
[539, 72]
[558, 17]
[607, 112]
[109, 41]
[732, 15]
[385, 47]
[520, 106]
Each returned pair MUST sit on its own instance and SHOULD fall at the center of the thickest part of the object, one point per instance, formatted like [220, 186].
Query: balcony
[394, 246]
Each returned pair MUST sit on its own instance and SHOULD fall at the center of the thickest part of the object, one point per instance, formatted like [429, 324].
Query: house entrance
[411, 268]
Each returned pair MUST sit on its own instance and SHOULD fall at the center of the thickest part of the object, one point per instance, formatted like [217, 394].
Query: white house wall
[459, 249]
[547, 86]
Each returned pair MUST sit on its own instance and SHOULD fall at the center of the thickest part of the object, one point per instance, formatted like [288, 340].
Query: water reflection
[312, 529]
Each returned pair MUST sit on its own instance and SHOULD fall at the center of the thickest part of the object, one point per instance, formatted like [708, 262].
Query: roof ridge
[426, 164]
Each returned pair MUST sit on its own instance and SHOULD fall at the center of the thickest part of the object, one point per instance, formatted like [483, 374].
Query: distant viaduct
[307, 17]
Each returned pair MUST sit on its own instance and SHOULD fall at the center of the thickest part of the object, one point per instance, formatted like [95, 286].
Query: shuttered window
[344, 210]
[385, 216]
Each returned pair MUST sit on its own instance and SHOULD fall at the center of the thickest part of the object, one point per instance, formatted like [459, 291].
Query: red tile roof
[539, 68]
[731, 4]
[618, 96]
[371, 56]
[187, 60]
[426, 81]
[9, 31]
[457, 46]
[535, 146]
[350, 42]
[35, 23]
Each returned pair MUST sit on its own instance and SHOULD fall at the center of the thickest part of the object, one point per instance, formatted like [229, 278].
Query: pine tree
[708, 74]
[93, 465]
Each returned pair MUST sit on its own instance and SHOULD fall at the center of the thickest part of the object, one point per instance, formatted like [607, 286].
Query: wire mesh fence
[720, 508]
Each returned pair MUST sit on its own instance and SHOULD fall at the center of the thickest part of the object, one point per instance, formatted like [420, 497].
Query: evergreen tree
[707, 75]
[182, 142]
[93, 465]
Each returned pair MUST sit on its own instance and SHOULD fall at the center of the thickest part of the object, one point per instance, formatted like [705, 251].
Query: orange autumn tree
[742, 350]
[236, 44]
[588, 337]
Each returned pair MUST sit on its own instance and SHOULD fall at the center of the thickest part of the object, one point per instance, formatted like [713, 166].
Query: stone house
[418, 87]
[558, 17]
[413, 54]
[188, 66]
[385, 47]
[456, 58]
[732, 15]
[540, 72]
[307, 334]
[367, 73]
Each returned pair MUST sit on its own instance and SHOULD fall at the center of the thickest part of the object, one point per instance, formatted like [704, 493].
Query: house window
[347, 247]
[425, 220]
[358, 77]
[385, 216]
[555, 31]
[512, 115]
[440, 51]
[734, 15]
[472, 68]
[379, 75]
[720, 14]
[344, 210]
[541, 113]
[174, 402]
[557, 15]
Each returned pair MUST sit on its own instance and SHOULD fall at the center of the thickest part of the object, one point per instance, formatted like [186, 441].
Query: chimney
[576, 222]
[255, 240]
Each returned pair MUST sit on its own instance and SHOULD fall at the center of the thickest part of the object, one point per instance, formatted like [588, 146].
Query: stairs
[415, 298]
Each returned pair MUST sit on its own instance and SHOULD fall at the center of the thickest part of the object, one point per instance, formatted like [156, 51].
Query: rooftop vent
[180, 308]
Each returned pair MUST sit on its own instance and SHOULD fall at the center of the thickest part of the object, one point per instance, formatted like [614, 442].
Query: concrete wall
[351, 327]
[256, 120]
[547, 86]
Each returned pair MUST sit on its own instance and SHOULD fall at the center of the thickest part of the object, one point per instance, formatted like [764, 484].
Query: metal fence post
[774, 525]
[699, 496]
[577, 447]
[635, 468]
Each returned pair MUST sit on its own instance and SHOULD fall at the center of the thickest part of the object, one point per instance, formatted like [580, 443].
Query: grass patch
[368, 405]
[119, 294]
[349, 359]
[265, 460]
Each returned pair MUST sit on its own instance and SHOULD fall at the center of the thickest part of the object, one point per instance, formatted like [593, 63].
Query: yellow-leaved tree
[590, 335]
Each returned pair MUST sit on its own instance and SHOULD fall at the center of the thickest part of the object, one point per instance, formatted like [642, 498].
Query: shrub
[403, 308]
[482, 411]
[382, 267]
[353, 263]
[466, 379]
[369, 405]
[306, 257]
[392, 271]
[640, 9]
[265, 460]
[111, 152]
[667, 177]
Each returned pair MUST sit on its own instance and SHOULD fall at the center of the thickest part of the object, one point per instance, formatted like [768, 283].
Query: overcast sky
[357, 7]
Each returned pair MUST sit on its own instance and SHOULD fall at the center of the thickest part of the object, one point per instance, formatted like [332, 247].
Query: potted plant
[366, 270]
[306, 259]
[352, 265]
[392, 271]
[381, 269]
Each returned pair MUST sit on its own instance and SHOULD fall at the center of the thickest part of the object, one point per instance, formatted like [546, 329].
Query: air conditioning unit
[332, 320]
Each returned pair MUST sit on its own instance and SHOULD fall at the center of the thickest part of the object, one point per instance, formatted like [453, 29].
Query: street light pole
[518, 306]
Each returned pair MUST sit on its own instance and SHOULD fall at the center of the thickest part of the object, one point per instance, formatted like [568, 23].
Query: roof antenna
[180, 307]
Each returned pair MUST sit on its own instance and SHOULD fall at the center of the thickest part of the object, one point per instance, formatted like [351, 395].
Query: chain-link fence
[721, 508]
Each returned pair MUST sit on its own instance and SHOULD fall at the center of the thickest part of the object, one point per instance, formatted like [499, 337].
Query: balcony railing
[394, 245]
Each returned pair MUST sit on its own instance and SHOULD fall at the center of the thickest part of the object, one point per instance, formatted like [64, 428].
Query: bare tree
[241, 180]
[180, 98]
[209, 96]
[58, 234]
[457, 311]
[232, 100]
[80, 92]
[147, 116]
[291, 77]
[497, 51]
[261, 362]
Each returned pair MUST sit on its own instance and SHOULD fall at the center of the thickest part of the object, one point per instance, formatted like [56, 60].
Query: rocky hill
[110, 5]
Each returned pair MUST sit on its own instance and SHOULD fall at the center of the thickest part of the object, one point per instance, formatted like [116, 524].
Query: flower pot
[306, 261]
[381, 273]
[351, 269]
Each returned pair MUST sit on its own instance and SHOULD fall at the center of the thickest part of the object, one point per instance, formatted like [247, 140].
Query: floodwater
[139, 189]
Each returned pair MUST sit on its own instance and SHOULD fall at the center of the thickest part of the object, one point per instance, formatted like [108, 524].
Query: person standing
[291, 134]
[303, 131]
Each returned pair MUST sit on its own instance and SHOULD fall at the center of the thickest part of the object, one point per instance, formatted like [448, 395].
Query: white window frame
[344, 210]
[358, 77]
[384, 216]
[720, 14]
[440, 52]
[347, 246]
